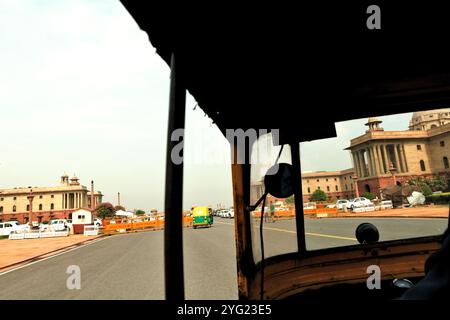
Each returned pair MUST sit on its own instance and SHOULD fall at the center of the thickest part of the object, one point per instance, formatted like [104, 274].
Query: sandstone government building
[381, 158]
[48, 202]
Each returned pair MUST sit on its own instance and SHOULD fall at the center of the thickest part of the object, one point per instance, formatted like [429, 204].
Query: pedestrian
[266, 214]
[272, 212]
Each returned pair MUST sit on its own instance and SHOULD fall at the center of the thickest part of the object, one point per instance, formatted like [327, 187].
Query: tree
[319, 195]
[105, 210]
[368, 195]
[427, 186]
[289, 200]
[438, 183]
[426, 190]
[117, 208]
[139, 212]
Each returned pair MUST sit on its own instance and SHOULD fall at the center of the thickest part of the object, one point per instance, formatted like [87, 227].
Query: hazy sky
[82, 91]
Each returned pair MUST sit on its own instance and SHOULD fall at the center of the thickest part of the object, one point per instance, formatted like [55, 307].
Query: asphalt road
[131, 266]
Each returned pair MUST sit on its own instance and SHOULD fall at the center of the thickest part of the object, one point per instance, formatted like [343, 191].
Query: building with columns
[56, 202]
[336, 184]
[383, 158]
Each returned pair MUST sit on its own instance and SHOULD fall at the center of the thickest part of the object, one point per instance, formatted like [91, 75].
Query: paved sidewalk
[16, 251]
[420, 212]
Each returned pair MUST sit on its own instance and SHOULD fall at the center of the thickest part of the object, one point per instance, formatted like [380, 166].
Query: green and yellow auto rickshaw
[202, 217]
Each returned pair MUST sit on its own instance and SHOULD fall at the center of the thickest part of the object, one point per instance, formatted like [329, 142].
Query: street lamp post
[30, 213]
[355, 181]
[393, 171]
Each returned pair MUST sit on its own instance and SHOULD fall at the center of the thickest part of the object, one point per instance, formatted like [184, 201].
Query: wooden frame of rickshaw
[288, 274]
[293, 273]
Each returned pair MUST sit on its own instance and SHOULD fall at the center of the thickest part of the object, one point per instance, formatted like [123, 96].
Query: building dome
[426, 120]
[374, 124]
[74, 180]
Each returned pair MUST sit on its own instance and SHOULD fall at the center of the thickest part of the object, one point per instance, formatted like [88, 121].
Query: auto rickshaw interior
[273, 66]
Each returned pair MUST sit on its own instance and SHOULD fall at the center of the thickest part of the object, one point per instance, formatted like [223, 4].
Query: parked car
[231, 213]
[309, 205]
[98, 222]
[342, 204]
[56, 225]
[6, 228]
[359, 202]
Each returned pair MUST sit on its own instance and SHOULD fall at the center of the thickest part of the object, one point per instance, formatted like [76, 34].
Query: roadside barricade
[90, 230]
[37, 235]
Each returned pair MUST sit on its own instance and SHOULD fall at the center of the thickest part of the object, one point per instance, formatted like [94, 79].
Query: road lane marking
[53, 256]
[330, 236]
[307, 233]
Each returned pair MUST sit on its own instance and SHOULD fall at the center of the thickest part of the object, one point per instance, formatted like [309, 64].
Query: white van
[6, 228]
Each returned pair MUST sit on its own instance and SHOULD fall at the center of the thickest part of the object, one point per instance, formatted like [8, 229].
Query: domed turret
[426, 120]
[374, 125]
[74, 181]
[64, 179]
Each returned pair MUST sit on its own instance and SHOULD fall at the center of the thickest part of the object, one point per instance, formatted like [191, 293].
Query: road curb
[53, 252]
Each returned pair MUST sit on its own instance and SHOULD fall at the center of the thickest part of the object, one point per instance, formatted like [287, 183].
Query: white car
[359, 202]
[6, 228]
[341, 204]
[98, 222]
[231, 213]
[309, 205]
[56, 225]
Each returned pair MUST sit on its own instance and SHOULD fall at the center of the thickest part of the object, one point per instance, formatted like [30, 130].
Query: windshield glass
[394, 171]
[279, 213]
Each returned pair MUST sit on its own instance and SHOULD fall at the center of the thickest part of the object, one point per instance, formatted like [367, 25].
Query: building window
[309, 190]
[52, 196]
[40, 207]
[1, 209]
[28, 207]
[317, 180]
[337, 189]
[14, 208]
[52, 206]
[442, 143]
[345, 178]
[40, 197]
[419, 147]
[307, 181]
[318, 188]
[14, 198]
[445, 159]
[1, 199]
[422, 165]
[328, 188]
[326, 180]
[335, 179]
[346, 187]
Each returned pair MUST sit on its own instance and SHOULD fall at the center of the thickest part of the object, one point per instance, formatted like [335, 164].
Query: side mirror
[278, 180]
[367, 233]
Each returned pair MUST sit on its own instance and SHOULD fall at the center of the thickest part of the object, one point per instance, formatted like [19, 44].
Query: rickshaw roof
[302, 68]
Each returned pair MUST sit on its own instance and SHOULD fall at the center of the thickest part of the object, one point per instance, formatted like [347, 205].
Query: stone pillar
[386, 157]
[356, 163]
[377, 159]
[397, 159]
[357, 166]
[369, 165]
[380, 159]
[372, 158]
[361, 163]
[403, 157]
